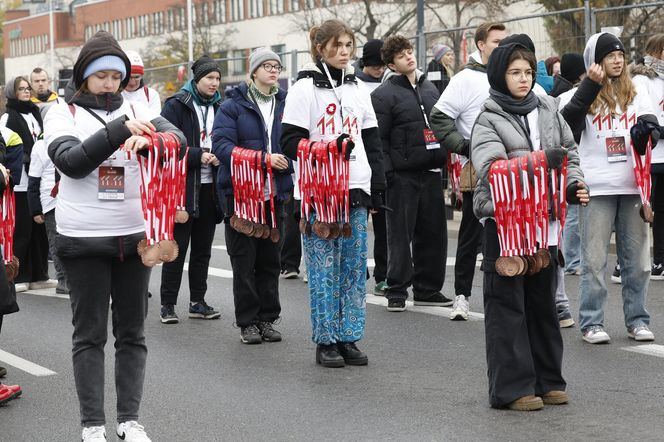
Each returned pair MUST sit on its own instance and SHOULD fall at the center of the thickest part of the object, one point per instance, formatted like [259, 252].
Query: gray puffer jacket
[498, 135]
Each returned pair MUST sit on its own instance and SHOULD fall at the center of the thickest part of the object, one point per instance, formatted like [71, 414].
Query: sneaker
[132, 431]
[565, 318]
[595, 334]
[38, 285]
[396, 305]
[575, 272]
[6, 394]
[555, 397]
[615, 276]
[657, 272]
[21, 287]
[305, 278]
[290, 274]
[380, 288]
[200, 310]
[94, 434]
[15, 389]
[250, 335]
[3, 372]
[168, 315]
[268, 333]
[641, 333]
[526, 403]
[460, 309]
[436, 300]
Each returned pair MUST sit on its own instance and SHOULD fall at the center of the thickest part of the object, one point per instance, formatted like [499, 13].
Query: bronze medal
[523, 266]
[324, 230]
[347, 230]
[646, 213]
[507, 266]
[168, 250]
[181, 216]
[12, 269]
[546, 258]
[303, 226]
[141, 247]
[335, 231]
[532, 264]
[316, 228]
[151, 256]
[265, 231]
[274, 235]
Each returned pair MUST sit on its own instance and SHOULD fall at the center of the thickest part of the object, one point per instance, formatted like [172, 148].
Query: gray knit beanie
[260, 56]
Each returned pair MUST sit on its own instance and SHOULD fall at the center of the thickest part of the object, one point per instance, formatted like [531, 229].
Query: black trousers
[418, 219]
[291, 245]
[379, 222]
[200, 232]
[30, 244]
[470, 236]
[524, 348]
[256, 268]
[657, 201]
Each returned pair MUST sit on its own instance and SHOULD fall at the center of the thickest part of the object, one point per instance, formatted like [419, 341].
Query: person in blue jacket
[192, 110]
[250, 118]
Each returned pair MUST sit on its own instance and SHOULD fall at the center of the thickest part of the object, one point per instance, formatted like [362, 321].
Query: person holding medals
[93, 135]
[613, 131]
[328, 106]
[250, 120]
[525, 135]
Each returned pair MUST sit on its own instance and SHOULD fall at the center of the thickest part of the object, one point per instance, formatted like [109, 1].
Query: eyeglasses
[272, 67]
[23, 89]
[613, 56]
[516, 75]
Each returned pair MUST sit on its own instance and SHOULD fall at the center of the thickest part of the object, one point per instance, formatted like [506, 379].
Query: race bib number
[111, 184]
[615, 149]
[430, 140]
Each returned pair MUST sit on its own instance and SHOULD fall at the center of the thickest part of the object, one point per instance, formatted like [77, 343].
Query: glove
[640, 133]
[554, 157]
[465, 148]
[570, 192]
[349, 145]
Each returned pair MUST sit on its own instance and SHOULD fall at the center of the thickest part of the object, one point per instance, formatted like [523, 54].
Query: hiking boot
[657, 272]
[565, 318]
[460, 309]
[380, 288]
[351, 354]
[641, 333]
[555, 397]
[595, 334]
[94, 434]
[268, 333]
[396, 305]
[615, 276]
[329, 356]
[250, 335]
[132, 431]
[200, 310]
[168, 315]
[527, 403]
[435, 300]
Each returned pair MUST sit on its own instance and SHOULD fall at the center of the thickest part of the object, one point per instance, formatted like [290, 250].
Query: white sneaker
[94, 434]
[641, 333]
[21, 287]
[132, 431]
[595, 335]
[460, 309]
[48, 284]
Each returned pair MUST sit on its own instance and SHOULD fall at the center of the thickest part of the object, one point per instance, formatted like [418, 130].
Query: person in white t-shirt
[327, 103]
[620, 115]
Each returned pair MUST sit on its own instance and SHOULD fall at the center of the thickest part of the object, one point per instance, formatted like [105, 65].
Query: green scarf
[260, 96]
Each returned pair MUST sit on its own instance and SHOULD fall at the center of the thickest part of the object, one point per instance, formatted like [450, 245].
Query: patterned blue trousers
[337, 271]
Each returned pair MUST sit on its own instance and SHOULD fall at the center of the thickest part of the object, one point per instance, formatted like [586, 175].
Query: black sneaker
[436, 300]
[615, 276]
[268, 333]
[250, 335]
[168, 315]
[657, 272]
[396, 305]
[200, 310]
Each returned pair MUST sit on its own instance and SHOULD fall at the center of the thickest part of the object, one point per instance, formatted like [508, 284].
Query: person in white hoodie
[136, 90]
[99, 230]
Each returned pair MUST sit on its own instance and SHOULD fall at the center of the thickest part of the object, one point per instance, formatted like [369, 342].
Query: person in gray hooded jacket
[523, 342]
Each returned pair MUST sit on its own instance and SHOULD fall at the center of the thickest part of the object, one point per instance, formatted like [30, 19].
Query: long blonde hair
[615, 92]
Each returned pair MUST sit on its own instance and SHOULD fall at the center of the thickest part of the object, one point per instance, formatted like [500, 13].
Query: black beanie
[572, 67]
[204, 66]
[371, 53]
[97, 46]
[498, 64]
[521, 39]
[607, 43]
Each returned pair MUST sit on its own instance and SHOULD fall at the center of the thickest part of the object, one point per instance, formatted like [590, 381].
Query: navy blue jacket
[239, 122]
[180, 111]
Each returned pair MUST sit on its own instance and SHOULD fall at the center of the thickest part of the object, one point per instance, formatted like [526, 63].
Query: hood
[642, 69]
[497, 66]
[560, 85]
[475, 65]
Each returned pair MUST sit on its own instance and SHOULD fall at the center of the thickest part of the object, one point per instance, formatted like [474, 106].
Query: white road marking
[436, 311]
[24, 365]
[219, 247]
[647, 349]
[49, 293]
[221, 273]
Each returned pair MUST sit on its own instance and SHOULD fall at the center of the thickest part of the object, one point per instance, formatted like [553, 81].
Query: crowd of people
[589, 121]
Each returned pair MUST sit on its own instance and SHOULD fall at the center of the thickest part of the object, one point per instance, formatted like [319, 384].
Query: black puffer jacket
[401, 124]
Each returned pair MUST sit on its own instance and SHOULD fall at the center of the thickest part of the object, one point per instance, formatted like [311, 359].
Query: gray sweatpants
[92, 280]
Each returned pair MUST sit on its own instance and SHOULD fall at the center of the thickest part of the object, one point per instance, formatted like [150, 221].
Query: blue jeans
[571, 240]
[596, 223]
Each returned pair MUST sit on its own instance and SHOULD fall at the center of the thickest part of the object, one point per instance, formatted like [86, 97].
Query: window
[237, 10]
[276, 7]
[183, 19]
[279, 50]
[310, 4]
[238, 62]
[158, 23]
[205, 14]
[219, 11]
[294, 5]
[129, 27]
[256, 8]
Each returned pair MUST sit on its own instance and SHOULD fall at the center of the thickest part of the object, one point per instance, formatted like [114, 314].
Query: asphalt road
[426, 379]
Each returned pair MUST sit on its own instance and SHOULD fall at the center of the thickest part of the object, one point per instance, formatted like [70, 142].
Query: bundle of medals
[163, 183]
[325, 188]
[7, 227]
[643, 180]
[522, 212]
[249, 178]
[454, 174]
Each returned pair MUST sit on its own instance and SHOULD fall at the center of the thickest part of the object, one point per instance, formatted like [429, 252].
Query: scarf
[656, 64]
[17, 123]
[334, 72]
[260, 96]
[513, 106]
[200, 99]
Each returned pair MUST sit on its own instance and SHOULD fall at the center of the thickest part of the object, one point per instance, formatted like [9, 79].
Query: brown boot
[555, 397]
[527, 403]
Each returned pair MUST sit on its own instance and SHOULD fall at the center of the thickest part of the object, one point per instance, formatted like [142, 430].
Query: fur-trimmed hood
[642, 69]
